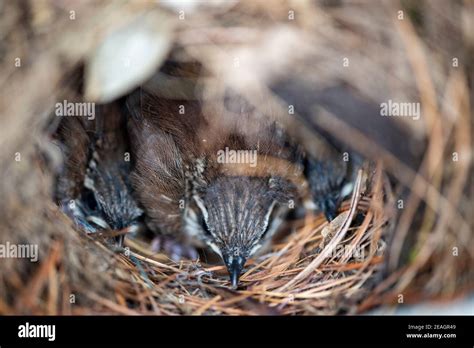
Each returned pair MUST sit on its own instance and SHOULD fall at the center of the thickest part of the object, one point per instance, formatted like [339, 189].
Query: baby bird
[221, 178]
[107, 175]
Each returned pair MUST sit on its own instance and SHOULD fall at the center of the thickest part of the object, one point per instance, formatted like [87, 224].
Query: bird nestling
[93, 187]
[223, 177]
[190, 189]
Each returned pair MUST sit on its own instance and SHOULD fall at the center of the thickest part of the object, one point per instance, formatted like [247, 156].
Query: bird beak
[235, 265]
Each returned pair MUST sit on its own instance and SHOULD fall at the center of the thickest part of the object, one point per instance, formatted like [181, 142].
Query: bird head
[238, 215]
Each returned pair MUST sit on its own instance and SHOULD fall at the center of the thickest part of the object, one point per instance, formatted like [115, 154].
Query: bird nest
[320, 268]
[380, 250]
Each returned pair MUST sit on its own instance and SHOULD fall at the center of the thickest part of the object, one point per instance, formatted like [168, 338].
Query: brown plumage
[73, 140]
[164, 145]
[184, 170]
[93, 187]
[108, 172]
[189, 190]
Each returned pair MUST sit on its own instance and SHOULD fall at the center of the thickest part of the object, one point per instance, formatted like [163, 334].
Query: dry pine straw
[316, 270]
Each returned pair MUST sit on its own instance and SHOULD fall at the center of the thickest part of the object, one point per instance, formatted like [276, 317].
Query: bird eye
[203, 213]
[204, 226]
[265, 231]
[270, 219]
